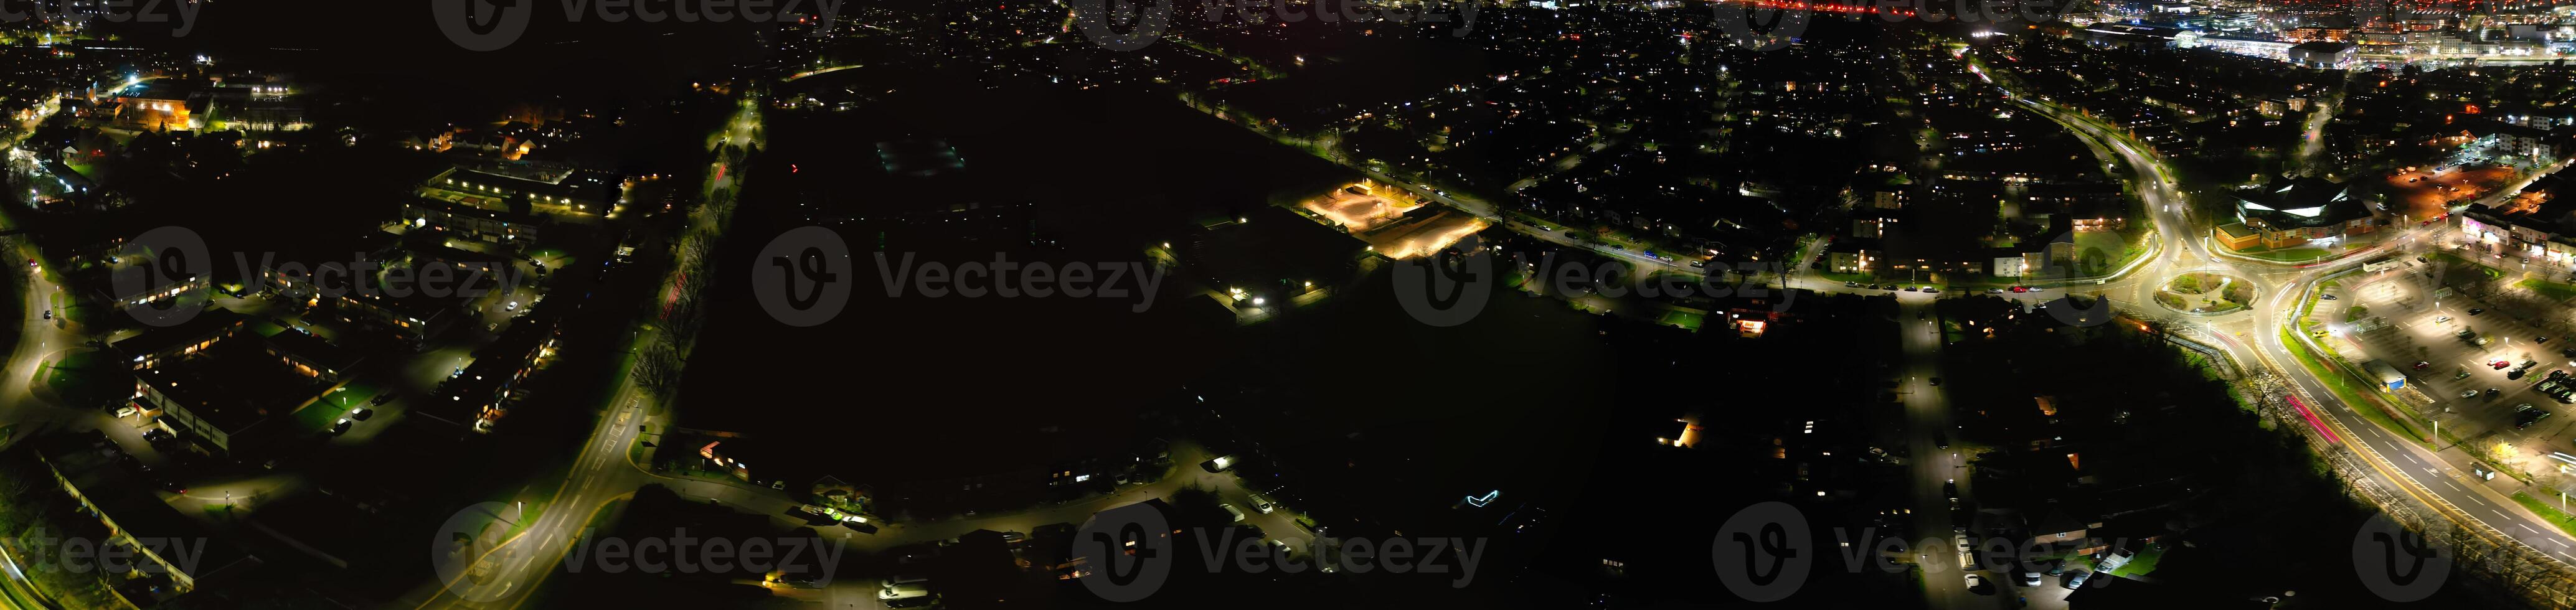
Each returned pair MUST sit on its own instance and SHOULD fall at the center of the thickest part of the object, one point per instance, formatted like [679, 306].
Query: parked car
[1231, 510]
[2421, 365]
[2030, 578]
[2492, 392]
[2077, 581]
[2477, 311]
[2468, 393]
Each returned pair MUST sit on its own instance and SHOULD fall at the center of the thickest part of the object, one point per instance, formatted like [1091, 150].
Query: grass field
[2490, 271]
[320, 414]
[87, 378]
[2143, 563]
[2547, 510]
[1682, 319]
[2553, 290]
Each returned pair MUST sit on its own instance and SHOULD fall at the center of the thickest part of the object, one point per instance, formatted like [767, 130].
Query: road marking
[2527, 529]
[2409, 457]
[2448, 484]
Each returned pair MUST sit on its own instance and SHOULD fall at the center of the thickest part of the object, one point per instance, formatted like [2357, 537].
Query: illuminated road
[601, 472]
[2438, 480]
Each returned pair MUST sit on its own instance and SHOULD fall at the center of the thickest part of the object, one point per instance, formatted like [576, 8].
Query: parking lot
[2414, 324]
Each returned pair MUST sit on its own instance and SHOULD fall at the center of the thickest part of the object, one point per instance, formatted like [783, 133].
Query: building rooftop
[158, 339]
[2322, 46]
[296, 343]
[232, 386]
[2302, 202]
[89, 461]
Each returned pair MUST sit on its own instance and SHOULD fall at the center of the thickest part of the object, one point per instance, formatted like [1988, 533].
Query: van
[894, 593]
[1263, 504]
[906, 579]
[1231, 510]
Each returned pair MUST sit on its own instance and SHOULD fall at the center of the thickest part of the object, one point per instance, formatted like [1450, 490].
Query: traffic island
[2205, 293]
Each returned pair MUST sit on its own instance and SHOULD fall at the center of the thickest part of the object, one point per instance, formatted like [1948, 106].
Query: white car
[1231, 510]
